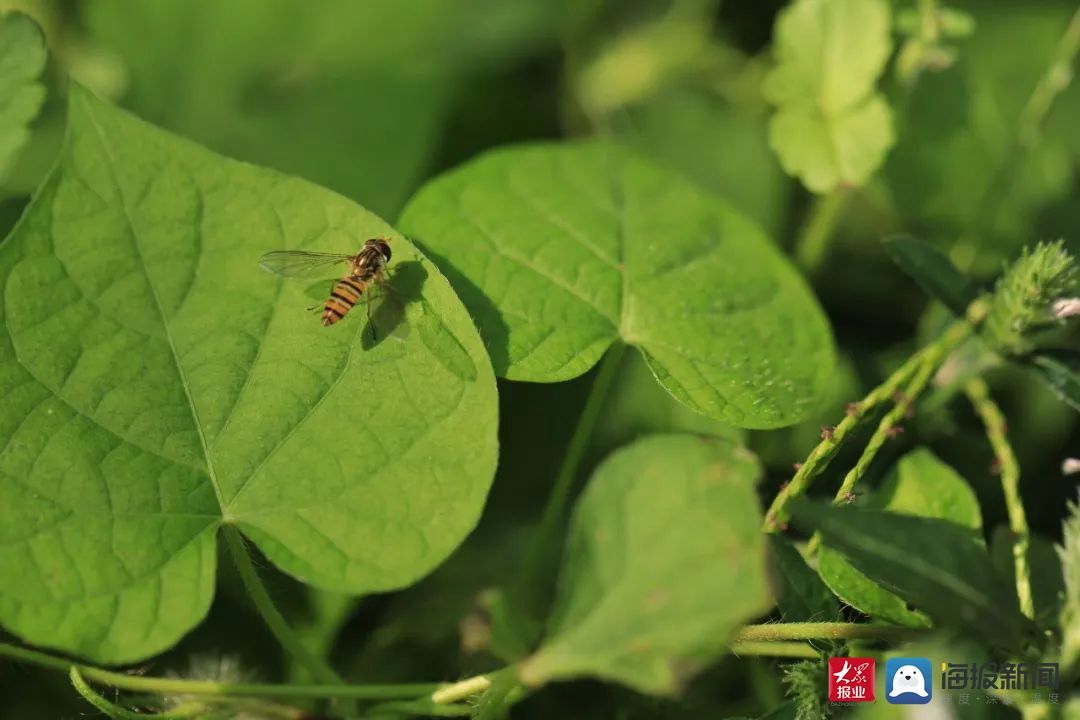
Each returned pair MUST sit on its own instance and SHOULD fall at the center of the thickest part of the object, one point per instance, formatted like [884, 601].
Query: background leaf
[22, 58]
[559, 250]
[355, 96]
[831, 127]
[934, 272]
[934, 564]
[921, 485]
[665, 559]
[158, 384]
[729, 154]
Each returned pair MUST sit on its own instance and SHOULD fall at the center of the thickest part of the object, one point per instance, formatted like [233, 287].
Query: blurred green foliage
[373, 98]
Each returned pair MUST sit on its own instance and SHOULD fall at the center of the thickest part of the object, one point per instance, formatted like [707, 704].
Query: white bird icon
[843, 672]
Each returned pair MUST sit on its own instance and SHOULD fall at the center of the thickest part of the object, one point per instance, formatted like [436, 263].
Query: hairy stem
[916, 372]
[273, 618]
[928, 364]
[177, 686]
[769, 632]
[773, 649]
[118, 712]
[812, 245]
[994, 421]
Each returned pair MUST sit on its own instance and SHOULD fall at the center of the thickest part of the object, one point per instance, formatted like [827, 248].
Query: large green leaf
[558, 250]
[22, 58]
[921, 485]
[664, 561]
[934, 564]
[157, 384]
[831, 128]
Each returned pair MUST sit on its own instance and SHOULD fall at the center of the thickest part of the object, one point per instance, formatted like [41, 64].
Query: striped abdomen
[346, 293]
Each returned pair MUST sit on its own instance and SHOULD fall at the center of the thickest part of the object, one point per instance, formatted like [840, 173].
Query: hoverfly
[366, 270]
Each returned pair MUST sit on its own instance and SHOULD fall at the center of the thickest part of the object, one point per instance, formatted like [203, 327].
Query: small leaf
[934, 272]
[664, 561]
[802, 597]
[1062, 378]
[157, 385]
[831, 127]
[921, 485]
[22, 58]
[934, 564]
[560, 250]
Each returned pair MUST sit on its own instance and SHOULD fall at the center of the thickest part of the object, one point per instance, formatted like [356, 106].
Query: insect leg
[370, 320]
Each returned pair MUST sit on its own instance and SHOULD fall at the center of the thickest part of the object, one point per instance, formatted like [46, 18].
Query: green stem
[929, 362]
[773, 649]
[994, 420]
[916, 372]
[461, 690]
[770, 632]
[176, 686]
[822, 454]
[812, 244]
[121, 713]
[556, 508]
[273, 618]
[493, 703]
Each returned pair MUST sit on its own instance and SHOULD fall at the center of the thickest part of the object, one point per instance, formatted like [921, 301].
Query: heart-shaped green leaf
[22, 58]
[831, 127]
[560, 250]
[664, 561]
[157, 384]
[921, 485]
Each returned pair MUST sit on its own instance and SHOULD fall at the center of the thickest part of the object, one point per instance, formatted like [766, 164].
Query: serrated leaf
[559, 250]
[801, 596]
[934, 564]
[22, 58]
[664, 561]
[157, 385]
[924, 486]
[933, 271]
[831, 127]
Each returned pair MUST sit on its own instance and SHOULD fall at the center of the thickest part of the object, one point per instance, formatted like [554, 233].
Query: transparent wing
[301, 263]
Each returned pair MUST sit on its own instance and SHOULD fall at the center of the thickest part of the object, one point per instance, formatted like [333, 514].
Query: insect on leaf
[559, 250]
[157, 384]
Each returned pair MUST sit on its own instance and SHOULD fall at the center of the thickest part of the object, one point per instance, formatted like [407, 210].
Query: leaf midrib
[211, 472]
